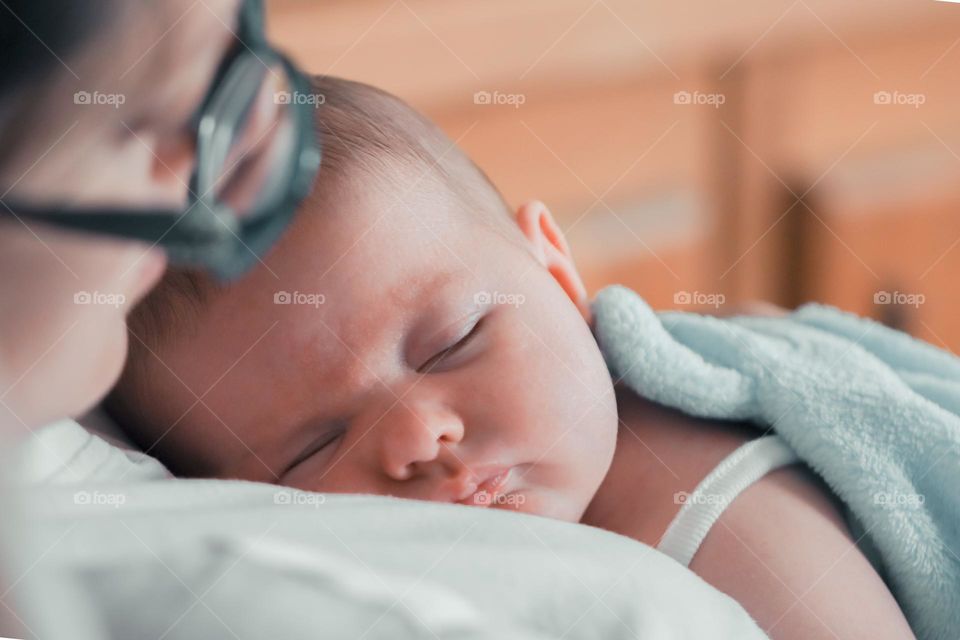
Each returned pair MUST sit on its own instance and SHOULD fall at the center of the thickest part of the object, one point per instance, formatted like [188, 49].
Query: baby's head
[408, 336]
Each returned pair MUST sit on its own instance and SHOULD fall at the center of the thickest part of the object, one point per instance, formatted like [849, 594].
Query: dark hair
[40, 40]
[37, 32]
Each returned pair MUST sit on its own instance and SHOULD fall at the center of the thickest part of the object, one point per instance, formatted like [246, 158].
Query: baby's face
[394, 348]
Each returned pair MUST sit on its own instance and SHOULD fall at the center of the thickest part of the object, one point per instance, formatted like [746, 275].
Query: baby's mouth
[489, 490]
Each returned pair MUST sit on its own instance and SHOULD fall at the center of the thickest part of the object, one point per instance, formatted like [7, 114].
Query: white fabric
[66, 453]
[113, 545]
[701, 509]
[78, 458]
[258, 561]
[99, 423]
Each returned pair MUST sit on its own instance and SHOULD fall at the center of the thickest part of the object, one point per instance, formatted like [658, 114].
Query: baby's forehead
[373, 264]
[360, 233]
[354, 342]
[375, 257]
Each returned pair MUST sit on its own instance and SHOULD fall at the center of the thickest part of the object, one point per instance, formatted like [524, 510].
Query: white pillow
[225, 559]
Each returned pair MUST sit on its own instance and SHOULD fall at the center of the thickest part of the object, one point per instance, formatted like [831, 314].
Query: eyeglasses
[256, 159]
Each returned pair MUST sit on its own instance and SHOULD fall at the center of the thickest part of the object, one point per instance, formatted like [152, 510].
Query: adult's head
[102, 91]
[98, 105]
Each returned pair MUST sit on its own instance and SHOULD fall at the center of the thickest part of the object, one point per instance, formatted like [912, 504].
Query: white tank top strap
[701, 508]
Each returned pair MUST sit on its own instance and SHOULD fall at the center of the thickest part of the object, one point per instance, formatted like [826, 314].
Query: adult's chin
[73, 375]
[106, 365]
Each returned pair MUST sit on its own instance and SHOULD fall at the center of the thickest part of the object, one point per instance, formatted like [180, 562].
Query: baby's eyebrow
[430, 283]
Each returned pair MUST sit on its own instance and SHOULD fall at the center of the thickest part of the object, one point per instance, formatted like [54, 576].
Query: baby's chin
[536, 502]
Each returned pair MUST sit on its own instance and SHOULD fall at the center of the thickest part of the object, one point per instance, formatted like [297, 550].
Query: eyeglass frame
[206, 235]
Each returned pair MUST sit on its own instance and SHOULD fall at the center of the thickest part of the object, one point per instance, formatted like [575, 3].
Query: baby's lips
[487, 490]
[464, 496]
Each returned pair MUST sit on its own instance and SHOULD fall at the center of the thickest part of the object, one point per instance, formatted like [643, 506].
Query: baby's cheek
[334, 473]
[543, 412]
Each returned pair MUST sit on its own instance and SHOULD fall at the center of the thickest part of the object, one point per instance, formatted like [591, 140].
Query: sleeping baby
[412, 336]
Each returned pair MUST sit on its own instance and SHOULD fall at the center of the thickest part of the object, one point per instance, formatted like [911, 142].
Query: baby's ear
[552, 251]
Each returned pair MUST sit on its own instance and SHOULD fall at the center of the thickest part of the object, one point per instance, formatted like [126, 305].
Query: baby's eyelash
[312, 450]
[456, 346]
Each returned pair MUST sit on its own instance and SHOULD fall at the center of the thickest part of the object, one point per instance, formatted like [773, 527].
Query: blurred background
[704, 153]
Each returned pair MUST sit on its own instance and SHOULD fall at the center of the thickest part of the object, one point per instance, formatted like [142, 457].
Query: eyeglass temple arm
[150, 225]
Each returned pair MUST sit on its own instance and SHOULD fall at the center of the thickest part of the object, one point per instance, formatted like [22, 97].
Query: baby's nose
[414, 435]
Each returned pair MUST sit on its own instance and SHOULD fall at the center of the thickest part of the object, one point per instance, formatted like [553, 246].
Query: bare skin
[446, 349]
[781, 549]
[57, 357]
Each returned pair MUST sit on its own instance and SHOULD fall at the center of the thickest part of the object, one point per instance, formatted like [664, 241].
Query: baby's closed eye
[446, 357]
[331, 433]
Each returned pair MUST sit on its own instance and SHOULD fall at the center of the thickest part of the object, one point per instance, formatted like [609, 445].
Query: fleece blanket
[873, 411]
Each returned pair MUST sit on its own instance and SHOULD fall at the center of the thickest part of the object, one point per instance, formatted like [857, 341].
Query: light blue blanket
[873, 411]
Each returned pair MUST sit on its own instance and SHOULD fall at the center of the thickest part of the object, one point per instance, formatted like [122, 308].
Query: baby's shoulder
[782, 541]
[660, 455]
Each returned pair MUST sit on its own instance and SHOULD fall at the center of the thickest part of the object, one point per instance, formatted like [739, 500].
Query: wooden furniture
[696, 151]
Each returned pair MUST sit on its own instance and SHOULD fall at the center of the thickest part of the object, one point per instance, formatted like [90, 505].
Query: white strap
[700, 509]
